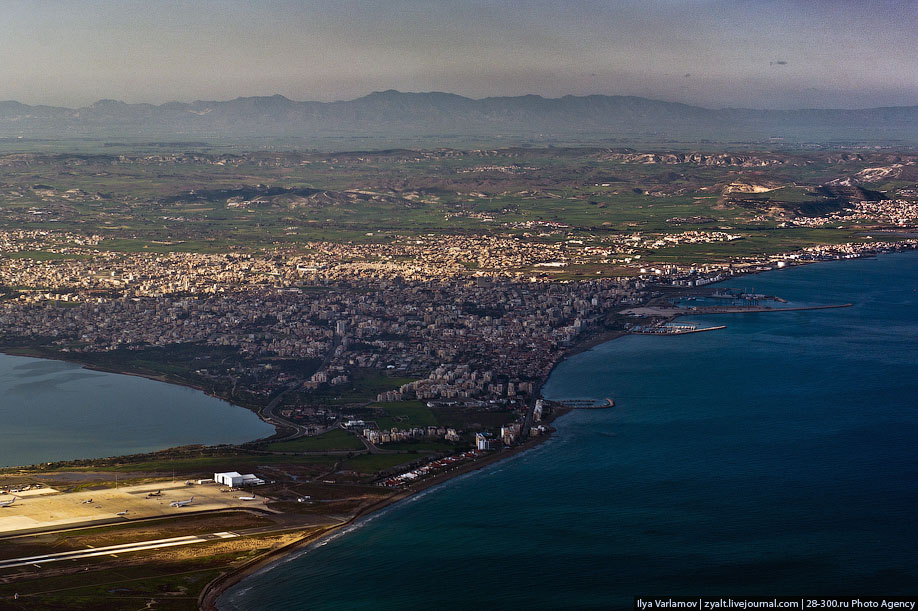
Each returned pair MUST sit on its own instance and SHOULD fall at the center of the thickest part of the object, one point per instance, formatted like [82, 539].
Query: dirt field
[52, 510]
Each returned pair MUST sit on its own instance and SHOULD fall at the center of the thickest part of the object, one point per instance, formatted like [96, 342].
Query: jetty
[672, 328]
[651, 310]
[586, 403]
[754, 308]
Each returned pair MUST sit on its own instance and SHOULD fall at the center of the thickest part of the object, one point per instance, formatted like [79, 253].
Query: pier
[673, 328]
[753, 308]
[586, 403]
[651, 310]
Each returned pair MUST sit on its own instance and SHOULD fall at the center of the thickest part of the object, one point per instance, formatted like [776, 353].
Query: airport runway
[113, 550]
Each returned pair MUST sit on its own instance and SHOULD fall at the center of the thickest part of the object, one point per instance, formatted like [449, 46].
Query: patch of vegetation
[374, 463]
[336, 439]
[364, 387]
[472, 419]
[405, 415]
[426, 445]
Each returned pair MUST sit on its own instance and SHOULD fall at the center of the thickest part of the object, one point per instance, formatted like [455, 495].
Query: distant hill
[392, 114]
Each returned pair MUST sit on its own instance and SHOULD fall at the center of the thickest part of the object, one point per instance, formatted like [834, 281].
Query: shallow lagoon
[54, 410]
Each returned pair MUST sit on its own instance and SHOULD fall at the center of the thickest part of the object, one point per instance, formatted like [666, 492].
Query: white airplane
[181, 503]
[8, 503]
[86, 502]
[122, 513]
[246, 498]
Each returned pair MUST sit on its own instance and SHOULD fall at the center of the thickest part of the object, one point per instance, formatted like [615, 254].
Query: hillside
[402, 116]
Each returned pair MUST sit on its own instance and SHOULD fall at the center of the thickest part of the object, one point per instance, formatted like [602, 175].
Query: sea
[777, 456]
[55, 410]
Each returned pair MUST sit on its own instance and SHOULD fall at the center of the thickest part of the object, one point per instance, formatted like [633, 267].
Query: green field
[373, 463]
[473, 419]
[364, 387]
[204, 465]
[404, 415]
[759, 242]
[425, 445]
[337, 439]
[194, 206]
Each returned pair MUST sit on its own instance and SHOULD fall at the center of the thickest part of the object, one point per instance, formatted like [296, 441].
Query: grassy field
[474, 419]
[364, 387]
[337, 439]
[204, 465]
[425, 445]
[373, 463]
[404, 415]
[189, 206]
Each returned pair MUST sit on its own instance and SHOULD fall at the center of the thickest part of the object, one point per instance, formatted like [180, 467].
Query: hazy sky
[754, 53]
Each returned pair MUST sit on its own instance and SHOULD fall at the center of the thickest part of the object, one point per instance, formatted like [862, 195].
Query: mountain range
[394, 114]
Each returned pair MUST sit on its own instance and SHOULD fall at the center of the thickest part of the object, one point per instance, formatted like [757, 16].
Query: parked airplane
[181, 503]
[8, 503]
[122, 513]
[86, 502]
[246, 498]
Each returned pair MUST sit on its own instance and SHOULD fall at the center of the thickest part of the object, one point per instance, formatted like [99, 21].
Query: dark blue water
[52, 410]
[777, 456]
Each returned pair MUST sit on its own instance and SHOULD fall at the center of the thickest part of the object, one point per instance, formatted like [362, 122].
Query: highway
[267, 412]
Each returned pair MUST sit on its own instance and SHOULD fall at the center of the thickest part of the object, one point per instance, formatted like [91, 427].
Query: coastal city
[446, 305]
[482, 338]
[386, 360]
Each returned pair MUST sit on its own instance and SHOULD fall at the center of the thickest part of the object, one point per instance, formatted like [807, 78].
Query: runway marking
[112, 549]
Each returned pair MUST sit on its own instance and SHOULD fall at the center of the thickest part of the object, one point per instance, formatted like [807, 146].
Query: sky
[712, 53]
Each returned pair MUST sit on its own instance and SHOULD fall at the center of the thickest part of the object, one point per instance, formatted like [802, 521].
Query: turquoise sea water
[52, 410]
[775, 457]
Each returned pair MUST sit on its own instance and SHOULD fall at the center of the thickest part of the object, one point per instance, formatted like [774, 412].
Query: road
[267, 412]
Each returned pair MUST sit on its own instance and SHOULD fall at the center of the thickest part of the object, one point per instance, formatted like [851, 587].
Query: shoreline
[596, 339]
[256, 586]
[10, 351]
[208, 598]
[221, 584]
